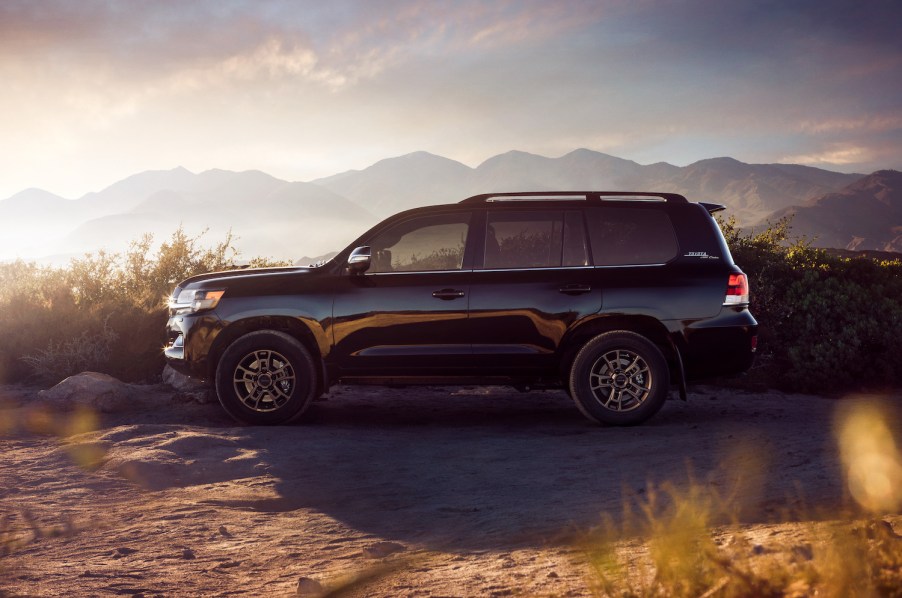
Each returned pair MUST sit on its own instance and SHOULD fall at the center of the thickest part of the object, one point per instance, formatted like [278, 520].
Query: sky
[94, 91]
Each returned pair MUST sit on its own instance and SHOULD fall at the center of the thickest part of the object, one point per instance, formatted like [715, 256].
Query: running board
[447, 381]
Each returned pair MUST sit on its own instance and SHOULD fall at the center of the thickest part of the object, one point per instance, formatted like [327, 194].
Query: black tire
[619, 378]
[266, 378]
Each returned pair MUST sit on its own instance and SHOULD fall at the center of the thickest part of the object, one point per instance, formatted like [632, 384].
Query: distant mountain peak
[582, 151]
[419, 159]
[719, 161]
[510, 157]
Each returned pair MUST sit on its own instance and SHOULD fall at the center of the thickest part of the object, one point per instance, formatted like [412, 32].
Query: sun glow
[871, 459]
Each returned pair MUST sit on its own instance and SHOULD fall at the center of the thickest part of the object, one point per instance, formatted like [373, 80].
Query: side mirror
[359, 260]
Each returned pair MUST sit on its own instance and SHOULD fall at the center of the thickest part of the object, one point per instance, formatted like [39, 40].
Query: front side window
[421, 244]
[631, 237]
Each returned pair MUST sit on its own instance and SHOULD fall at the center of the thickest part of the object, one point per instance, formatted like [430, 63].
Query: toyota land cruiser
[613, 296]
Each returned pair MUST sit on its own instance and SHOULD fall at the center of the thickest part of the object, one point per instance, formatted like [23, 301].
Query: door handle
[448, 294]
[575, 289]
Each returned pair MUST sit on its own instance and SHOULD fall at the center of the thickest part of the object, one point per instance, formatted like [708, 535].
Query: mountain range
[285, 220]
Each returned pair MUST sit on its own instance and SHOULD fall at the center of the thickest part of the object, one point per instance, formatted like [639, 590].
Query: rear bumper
[720, 346]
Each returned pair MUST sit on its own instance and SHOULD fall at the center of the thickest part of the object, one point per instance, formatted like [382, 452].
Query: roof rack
[592, 196]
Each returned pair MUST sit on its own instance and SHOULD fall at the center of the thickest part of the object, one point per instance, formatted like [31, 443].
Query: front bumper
[189, 339]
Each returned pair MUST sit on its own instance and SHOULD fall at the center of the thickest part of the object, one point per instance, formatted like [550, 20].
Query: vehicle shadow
[473, 470]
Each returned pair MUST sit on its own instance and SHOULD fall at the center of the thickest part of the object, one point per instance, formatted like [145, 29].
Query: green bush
[827, 323]
[105, 312]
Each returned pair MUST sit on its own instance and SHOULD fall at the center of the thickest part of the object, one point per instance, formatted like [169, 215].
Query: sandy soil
[428, 491]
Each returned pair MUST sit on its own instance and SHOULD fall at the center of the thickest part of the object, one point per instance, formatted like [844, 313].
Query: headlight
[191, 300]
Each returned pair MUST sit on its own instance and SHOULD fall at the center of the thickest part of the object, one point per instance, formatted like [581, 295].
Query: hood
[241, 273]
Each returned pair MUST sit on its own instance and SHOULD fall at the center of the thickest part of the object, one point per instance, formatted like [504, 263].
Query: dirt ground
[412, 492]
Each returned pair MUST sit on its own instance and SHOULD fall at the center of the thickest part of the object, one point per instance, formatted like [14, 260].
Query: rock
[124, 551]
[382, 549]
[878, 529]
[552, 575]
[178, 380]
[187, 387]
[803, 552]
[309, 587]
[224, 532]
[89, 389]
[758, 549]
[188, 554]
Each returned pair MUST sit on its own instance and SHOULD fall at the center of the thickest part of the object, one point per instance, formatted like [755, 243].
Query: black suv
[613, 296]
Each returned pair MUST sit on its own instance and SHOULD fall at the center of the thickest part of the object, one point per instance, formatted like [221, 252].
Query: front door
[407, 313]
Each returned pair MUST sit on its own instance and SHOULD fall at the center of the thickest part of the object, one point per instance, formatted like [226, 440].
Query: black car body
[611, 295]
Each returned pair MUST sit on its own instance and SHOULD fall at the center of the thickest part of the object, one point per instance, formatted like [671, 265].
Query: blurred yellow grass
[669, 543]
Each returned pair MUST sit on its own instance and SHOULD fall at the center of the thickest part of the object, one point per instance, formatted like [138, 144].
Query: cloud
[869, 123]
[220, 83]
[835, 156]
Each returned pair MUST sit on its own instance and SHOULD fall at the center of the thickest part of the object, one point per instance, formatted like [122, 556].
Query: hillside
[866, 215]
[270, 217]
[395, 184]
[751, 191]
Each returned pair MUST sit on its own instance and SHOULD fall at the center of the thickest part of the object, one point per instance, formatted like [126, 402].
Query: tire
[266, 378]
[619, 378]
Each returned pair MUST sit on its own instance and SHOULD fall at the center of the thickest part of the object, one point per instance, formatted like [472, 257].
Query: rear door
[532, 282]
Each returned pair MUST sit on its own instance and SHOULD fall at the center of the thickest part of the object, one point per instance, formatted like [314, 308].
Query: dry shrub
[104, 312]
[72, 355]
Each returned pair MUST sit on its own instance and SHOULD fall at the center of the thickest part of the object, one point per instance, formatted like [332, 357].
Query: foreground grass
[672, 543]
[676, 551]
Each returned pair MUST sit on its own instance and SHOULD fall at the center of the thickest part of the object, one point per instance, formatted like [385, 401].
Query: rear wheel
[265, 378]
[619, 378]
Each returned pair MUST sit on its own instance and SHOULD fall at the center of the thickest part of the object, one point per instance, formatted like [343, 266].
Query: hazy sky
[93, 91]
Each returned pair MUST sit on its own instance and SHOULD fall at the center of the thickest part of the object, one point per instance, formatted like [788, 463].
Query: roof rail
[592, 196]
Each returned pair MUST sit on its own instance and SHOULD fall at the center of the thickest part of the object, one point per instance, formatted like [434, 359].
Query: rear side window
[535, 239]
[523, 239]
[631, 237]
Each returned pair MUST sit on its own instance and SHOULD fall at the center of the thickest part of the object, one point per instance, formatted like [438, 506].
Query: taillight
[737, 290]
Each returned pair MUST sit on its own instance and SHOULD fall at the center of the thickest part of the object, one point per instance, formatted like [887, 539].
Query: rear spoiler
[712, 207]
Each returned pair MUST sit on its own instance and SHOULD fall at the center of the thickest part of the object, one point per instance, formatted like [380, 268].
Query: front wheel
[265, 378]
[619, 378]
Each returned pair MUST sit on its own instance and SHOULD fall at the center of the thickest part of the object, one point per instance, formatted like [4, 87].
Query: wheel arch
[647, 326]
[294, 327]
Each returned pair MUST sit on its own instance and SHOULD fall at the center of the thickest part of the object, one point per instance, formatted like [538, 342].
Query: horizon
[108, 184]
[97, 91]
[52, 229]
